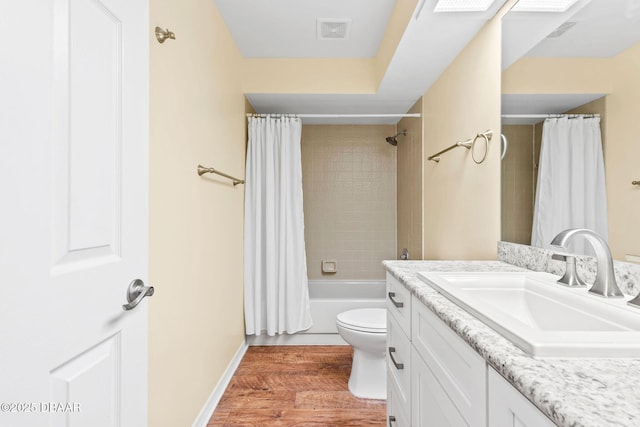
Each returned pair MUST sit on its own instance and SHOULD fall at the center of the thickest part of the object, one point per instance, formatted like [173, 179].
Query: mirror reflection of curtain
[571, 181]
[276, 292]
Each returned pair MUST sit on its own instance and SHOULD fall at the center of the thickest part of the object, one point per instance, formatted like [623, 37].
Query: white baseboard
[210, 406]
[296, 339]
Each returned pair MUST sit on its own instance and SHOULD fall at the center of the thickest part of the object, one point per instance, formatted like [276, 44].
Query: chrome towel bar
[202, 170]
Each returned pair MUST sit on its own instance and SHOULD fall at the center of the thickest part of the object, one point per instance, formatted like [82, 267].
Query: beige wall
[616, 77]
[462, 199]
[622, 154]
[349, 185]
[195, 245]
[409, 186]
[557, 75]
[309, 75]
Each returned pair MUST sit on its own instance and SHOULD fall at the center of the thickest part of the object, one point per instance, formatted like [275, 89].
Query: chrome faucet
[605, 284]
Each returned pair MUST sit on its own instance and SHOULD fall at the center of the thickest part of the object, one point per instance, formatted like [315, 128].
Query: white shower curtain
[571, 181]
[276, 293]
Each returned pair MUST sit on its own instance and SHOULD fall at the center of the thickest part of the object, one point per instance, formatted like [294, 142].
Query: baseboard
[296, 339]
[210, 406]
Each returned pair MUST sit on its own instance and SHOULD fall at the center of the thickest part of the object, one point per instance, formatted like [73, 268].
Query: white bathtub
[327, 298]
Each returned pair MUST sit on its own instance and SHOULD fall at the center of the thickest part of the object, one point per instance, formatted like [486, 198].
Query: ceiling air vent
[561, 29]
[333, 29]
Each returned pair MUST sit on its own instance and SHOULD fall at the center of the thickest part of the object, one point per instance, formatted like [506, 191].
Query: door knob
[136, 293]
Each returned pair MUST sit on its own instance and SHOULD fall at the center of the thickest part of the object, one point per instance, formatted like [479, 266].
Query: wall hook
[163, 35]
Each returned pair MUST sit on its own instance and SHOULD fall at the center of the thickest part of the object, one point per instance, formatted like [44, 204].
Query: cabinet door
[397, 412]
[431, 406]
[459, 372]
[509, 408]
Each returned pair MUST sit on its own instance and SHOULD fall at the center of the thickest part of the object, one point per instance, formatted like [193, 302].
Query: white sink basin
[543, 318]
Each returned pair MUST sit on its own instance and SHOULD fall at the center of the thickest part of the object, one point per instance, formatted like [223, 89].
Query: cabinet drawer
[398, 414]
[509, 408]
[399, 351]
[399, 303]
[460, 371]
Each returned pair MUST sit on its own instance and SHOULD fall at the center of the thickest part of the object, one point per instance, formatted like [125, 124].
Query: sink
[541, 317]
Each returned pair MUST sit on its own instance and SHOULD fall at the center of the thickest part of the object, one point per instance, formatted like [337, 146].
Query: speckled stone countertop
[571, 392]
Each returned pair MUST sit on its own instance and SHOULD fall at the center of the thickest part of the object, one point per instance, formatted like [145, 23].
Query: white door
[73, 212]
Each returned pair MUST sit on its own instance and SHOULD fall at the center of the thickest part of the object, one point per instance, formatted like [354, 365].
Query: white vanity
[436, 379]
[447, 368]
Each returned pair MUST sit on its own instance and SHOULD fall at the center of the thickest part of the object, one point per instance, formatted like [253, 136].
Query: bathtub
[327, 298]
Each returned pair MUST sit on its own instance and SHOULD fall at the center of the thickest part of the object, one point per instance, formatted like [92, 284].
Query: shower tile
[349, 196]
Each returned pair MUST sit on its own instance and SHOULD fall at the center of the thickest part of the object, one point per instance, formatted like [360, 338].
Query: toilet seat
[371, 320]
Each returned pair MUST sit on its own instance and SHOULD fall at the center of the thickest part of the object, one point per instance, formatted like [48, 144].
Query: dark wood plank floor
[295, 386]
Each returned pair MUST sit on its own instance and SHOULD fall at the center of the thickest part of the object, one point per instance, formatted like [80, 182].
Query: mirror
[581, 58]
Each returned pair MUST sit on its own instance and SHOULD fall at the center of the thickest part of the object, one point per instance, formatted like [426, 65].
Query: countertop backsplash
[539, 259]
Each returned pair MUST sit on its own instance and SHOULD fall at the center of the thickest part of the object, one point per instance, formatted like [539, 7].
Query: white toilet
[365, 330]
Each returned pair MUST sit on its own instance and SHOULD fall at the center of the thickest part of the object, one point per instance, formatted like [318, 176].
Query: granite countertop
[571, 392]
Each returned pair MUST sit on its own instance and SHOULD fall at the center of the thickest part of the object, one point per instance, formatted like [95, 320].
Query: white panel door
[73, 215]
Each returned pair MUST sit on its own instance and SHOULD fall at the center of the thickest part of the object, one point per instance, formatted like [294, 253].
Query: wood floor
[295, 386]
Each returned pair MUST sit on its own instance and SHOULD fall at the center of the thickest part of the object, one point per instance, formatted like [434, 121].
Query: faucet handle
[570, 277]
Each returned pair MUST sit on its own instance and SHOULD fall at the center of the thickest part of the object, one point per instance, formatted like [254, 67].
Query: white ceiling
[287, 29]
[603, 29]
[430, 42]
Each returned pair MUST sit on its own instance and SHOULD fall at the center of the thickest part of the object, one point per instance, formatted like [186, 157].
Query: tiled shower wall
[518, 183]
[349, 184]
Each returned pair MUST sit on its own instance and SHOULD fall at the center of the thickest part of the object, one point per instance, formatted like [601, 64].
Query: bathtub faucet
[605, 284]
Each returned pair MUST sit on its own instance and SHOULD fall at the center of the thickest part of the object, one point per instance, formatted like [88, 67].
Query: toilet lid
[364, 319]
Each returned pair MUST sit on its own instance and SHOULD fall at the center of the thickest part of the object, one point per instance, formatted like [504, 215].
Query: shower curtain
[276, 292]
[571, 182]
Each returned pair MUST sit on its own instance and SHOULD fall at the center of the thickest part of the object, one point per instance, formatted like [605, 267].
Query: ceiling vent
[333, 29]
[561, 29]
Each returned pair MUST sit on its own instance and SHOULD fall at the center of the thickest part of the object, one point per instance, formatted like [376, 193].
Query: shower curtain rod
[329, 116]
[545, 116]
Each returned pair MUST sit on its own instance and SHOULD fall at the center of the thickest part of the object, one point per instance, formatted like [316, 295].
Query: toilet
[365, 329]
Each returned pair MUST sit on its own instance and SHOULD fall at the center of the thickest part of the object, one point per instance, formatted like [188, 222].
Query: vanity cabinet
[449, 387]
[509, 408]
[435, 379]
